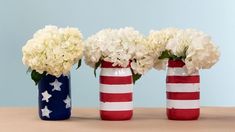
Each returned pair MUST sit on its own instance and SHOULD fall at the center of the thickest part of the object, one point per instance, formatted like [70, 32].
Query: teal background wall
[19, 19]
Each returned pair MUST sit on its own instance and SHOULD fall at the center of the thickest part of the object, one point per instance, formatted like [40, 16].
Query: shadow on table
[74, 118]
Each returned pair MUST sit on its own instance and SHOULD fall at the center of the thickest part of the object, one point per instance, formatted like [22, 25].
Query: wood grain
[213, 119]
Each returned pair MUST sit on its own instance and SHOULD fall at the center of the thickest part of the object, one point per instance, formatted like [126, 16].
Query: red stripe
[106, 64]
[183, 114]
[183, 79]
[115, 80]
[116, 115]
[123, 97]
[175, 63]
[183, 95]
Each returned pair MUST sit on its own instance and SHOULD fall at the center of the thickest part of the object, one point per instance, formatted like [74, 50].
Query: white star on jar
[56, 84]
[46, 112]
[46, 96]
[67, 101]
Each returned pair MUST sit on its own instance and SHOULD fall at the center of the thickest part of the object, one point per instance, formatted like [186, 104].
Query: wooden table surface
[213, 119]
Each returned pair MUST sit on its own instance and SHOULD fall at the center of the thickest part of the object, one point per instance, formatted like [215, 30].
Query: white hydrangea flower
[119, 46]
[158, 41]
[199, 50]
[143, 59]
[194, 47]
[54, 50]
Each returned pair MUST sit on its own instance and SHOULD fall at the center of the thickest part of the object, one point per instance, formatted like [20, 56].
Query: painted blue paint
[55, 103]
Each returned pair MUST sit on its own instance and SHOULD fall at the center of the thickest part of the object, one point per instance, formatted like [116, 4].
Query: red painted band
[183, 79]
[111, 80]
[106, 64]
[183, 95]
[175, 63]
[116, 115]
[110, 97]
[183, 114]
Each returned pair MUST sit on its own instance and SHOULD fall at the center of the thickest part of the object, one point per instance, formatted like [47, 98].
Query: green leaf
[135, 77]
[36, 77]
[79, 64]
[174, 57]
[96, 66]
[165, 54]
[28, 70]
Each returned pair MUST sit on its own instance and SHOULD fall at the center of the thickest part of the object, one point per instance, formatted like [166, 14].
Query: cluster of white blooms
[197, 48]
[143, 59]
[119, 46]
[158, 41]
[53, 50]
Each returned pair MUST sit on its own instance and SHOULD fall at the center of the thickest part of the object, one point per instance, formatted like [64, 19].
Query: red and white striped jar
[115, 92]
[183, 92]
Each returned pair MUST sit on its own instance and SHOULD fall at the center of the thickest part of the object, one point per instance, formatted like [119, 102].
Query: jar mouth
[175, 63]
[107, 64]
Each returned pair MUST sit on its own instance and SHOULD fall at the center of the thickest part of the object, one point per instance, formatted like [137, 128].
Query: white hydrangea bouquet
[121, 47]
[193, 47]
[186, 51]
[53, 51]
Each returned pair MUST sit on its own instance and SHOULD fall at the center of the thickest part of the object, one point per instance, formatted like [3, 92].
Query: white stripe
[177, 71]
[183, 104]
[182, 87]
[115, 72]
[116, 106]
[126, 88]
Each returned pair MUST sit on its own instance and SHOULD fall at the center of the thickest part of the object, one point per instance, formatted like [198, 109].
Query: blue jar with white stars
[54, 97]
